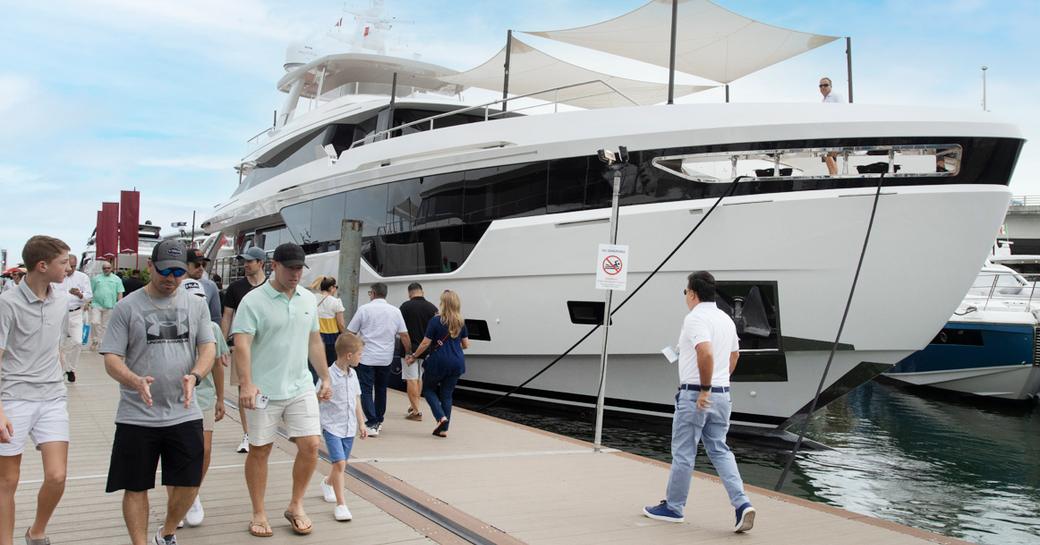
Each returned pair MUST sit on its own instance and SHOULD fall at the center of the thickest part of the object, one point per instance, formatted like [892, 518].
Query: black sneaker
[71, 375]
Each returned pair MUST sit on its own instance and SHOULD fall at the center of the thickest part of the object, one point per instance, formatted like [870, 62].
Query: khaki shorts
[411, 372]
[300, 415]
[209, 420]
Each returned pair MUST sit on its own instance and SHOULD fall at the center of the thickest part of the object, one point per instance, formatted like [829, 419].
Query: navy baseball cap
[254, 253]
[170, 254]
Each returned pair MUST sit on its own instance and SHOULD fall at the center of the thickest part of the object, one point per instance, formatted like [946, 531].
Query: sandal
[264, 529]
[440, 430]
[297, 523]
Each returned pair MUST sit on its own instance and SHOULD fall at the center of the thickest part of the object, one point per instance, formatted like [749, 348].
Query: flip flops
[297, 522]
[264, 529]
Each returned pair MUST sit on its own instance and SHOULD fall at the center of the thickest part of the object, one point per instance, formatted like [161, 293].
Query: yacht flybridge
[507, 209]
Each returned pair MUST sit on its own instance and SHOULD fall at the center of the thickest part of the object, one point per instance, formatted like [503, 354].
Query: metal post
[349, 265]
[671, 53]
[191, 243]
[727, 93]
[601, 395]
[505, 81]
[393, 100]
[984, 68]
[848, 63]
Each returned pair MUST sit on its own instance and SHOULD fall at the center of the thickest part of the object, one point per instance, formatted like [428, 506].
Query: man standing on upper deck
[77, 285]
[708, 352]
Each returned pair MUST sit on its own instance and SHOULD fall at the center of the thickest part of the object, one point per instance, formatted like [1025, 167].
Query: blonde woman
[446, 337]
[330, 314]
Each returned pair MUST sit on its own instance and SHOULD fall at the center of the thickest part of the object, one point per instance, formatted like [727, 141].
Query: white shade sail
[532, 70]
[711, 42]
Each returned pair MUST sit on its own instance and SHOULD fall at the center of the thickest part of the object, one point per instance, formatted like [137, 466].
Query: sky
[161, 96]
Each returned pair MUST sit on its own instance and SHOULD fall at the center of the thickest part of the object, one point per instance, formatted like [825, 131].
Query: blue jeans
[373, 379]
[438, 389]
[690, 426]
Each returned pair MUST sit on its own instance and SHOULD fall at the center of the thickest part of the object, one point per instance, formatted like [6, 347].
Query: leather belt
[698, 388]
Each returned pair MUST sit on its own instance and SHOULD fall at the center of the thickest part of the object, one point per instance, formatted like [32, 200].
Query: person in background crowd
[330, 314]
[379, 324]
[197, 273]
[34, 318]
[158, 348]
[708, 353]
[108, 290]
[276, 332]
[76, 285]
[417, 312]
[253, 260]
[132, 282]
[446, 337]
[341, 419]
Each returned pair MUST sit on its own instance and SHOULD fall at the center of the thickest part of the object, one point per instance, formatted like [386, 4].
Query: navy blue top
[450, 355]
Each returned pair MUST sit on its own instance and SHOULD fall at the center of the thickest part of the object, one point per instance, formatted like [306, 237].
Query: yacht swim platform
[491, 481]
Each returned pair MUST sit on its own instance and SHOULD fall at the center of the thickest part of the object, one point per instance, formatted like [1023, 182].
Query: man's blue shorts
[338, 447]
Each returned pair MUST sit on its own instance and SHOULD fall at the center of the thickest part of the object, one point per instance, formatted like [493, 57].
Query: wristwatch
[198, 378]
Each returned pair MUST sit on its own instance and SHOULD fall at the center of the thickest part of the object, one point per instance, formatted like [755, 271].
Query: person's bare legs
[242, 419]
[832, 164]
[303, 470]
[414, 387]
[178, 501]
[55, 462]
[256, 480]
[135, 513]
[10, 470]
[336, 480]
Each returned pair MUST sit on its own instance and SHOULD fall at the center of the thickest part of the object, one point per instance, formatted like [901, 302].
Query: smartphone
[260, 402]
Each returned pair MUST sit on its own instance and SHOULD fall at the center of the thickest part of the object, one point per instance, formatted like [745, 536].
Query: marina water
[960, 468]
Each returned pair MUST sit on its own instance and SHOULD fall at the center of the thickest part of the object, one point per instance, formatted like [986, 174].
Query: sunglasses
[825, 85]
[177, 272]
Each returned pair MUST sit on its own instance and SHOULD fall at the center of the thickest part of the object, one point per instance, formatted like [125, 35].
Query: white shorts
[209, 420]
[300, 415]
[411, 372]
[44, 421]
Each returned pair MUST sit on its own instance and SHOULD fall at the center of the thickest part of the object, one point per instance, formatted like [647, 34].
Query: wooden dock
[489, 482]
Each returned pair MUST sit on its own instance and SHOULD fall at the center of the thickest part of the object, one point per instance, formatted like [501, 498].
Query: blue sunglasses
[176, 272]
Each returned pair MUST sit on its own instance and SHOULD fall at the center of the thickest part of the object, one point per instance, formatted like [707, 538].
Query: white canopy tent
[711, 42]
[532, 70]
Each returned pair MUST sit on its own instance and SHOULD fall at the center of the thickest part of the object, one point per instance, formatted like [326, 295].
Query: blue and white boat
[989, 347]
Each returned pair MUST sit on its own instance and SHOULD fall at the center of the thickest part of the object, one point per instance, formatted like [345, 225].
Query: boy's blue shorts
[338, 447]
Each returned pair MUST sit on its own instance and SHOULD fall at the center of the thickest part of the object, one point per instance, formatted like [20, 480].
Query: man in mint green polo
[108, 290]
[275, 330]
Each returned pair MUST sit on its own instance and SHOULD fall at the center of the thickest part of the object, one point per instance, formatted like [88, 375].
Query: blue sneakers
[662, 512]
[745, 518]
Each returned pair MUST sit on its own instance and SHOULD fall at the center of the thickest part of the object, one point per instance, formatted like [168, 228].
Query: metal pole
[393, 100]
[601, 395]
[191, 243]
[984, 68]
[349, 265]
[671, 53]
[727, 93]
[848, 63]
[505, 81]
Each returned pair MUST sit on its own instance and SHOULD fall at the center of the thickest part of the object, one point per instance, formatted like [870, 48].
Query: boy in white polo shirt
[33, 321]
[340, 416]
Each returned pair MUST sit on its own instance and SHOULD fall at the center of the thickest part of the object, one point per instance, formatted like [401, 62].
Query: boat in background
[990, 345]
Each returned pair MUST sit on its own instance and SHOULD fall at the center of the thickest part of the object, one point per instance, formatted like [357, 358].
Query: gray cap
[170, 254]
[254, 253]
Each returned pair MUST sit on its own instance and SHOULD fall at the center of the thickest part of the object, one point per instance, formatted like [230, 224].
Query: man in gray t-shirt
[158, 345]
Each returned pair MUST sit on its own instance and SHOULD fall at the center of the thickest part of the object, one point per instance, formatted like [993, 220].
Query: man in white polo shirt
[33, 319]
[708, 352]
[378, 323]
[77, 285]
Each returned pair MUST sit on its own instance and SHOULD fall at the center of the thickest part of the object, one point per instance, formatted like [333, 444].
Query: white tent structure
[711, 42]
[532, 70]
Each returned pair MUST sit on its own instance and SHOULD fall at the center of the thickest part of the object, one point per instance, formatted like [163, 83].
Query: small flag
[340, 22]
[367, 28]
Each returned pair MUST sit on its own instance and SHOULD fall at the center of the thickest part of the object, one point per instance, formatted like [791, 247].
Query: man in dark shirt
[132, 282]
[417, 312]
[253, 259]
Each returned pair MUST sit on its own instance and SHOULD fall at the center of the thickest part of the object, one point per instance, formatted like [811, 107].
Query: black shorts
[136, 451]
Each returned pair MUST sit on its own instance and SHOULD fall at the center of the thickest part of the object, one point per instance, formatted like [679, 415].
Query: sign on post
[612, 267]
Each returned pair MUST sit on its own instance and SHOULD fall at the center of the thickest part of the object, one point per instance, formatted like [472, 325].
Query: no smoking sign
[612, 267]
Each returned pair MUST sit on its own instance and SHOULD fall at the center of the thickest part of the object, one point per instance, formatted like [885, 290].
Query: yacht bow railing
[1003, 291]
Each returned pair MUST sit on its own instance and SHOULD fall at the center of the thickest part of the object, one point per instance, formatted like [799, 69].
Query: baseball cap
[195, 256]
[254, 253]
[170, 254]
[290, 254]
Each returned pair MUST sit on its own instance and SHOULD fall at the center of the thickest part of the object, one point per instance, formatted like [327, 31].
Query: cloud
[194, 162]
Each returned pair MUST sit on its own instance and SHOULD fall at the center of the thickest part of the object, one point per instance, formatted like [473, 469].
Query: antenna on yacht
[984, 68]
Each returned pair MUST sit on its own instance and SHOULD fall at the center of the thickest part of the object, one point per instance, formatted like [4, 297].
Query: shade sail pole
[505, 81]
[671, 54]
[727, 93]
[848, 63]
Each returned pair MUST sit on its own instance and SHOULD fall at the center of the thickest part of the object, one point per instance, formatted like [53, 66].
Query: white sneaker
[342, 514]
[195, 514]
[373, 432]
[160, 540]
[327, 491]
[243, 447]
[180, 524]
